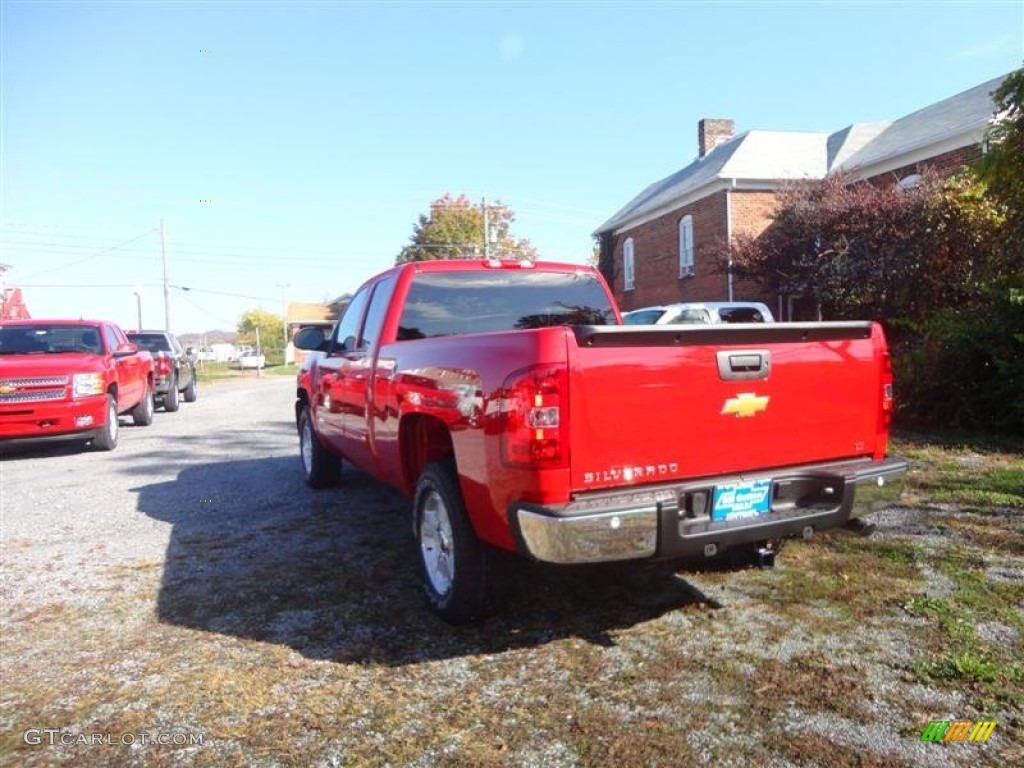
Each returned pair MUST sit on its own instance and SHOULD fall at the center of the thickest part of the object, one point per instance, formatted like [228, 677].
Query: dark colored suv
[174, 368]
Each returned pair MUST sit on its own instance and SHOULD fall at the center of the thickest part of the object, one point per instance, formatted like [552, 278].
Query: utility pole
[483, 210]
[138, 306]
[259, 351]
[167, 292]
[284, 310]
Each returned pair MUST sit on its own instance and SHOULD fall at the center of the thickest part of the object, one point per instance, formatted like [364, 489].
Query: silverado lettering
[511, 404]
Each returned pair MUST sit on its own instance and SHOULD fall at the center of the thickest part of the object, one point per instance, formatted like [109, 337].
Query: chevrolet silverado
[513, 407]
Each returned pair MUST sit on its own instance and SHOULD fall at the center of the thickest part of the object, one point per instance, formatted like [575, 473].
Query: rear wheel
[321, 467]
[452, 559]
[192, 390]
[171, 400]
[106, 436]
[142, 414]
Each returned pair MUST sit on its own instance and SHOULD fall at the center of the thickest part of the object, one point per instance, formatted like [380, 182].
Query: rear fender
[422, 439]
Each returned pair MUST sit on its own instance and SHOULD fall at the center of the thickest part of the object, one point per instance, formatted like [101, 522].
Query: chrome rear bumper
[658, 522]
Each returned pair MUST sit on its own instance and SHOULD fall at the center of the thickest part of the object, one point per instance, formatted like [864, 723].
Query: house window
[686, 246]
[628, 266]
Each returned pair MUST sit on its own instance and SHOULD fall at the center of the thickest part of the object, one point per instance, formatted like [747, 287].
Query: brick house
[658, 240]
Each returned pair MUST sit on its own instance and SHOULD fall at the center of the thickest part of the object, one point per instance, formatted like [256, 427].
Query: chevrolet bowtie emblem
[6, 389]
[744, 404]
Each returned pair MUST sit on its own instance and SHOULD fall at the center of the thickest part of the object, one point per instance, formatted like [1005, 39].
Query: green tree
[271, 328]
[454, 229]
[1002, 168]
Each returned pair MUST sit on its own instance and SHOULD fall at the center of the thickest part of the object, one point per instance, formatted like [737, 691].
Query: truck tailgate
[650, 405]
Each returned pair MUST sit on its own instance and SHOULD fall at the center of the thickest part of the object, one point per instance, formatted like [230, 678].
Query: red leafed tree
[875, 251]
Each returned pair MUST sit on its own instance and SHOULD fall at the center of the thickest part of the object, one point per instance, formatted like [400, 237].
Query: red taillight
[887, 399]
[163, 364]
[533, 418]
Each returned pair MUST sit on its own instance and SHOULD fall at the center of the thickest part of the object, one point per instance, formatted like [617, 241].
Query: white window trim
[628, 265]
[686, 246]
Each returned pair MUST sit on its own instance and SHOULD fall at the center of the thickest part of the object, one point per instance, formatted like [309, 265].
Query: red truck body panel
[662, 412]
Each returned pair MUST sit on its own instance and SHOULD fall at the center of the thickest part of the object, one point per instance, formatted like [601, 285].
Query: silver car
[701, 313]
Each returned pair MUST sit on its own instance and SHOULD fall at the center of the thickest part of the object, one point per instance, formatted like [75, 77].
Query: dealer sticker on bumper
[735, 502]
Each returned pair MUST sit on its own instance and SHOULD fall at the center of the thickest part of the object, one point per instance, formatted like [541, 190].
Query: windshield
[49, 339]
[643, 317]
[691, 317]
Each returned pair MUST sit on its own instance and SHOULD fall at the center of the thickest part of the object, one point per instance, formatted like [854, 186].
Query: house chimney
[711, 132]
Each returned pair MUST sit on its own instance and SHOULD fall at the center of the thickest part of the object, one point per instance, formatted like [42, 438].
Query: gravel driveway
[186, 600]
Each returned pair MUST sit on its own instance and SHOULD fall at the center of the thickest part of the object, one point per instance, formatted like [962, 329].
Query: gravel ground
[189, 585]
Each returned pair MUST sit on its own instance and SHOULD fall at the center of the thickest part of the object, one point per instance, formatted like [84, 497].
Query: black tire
[142, 414]
[171, 401]
[452, 561]
[321, 467]
[106, 436]
[192, 390]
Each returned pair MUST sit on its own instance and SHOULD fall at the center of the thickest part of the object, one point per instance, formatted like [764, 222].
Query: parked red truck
[514, 408]
[71, 379]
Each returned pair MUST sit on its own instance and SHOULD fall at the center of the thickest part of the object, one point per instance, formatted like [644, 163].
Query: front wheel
[142, 414]
[106, 436]
[452, 559]
[321, 467]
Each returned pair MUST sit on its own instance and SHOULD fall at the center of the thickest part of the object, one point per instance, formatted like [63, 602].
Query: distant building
[656, 239]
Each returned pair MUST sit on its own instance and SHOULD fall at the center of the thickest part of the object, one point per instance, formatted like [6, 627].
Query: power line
[220, 293]
[91, 257]
[218, 258]
[87, 285]
[208, 313]
[203, 249]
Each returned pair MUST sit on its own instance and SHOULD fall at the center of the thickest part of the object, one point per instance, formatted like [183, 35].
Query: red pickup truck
[71, 379]
[511, 404]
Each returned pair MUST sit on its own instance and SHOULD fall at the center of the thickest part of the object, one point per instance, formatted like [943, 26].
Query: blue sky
[320, 131]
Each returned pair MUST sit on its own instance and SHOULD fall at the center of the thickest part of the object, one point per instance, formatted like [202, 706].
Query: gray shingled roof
[777, 156]
[968, 113]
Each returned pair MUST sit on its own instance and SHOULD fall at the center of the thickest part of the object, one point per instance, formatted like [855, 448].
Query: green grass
[216, 371]
[980, 475]
[957, 653]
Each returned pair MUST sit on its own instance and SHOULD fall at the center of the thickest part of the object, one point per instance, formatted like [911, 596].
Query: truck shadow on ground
[27, 450]
[255, 554]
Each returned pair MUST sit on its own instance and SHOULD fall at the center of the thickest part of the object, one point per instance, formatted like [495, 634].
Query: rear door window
[741, 315]
[451, 303]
